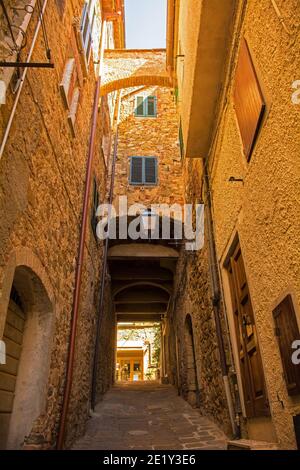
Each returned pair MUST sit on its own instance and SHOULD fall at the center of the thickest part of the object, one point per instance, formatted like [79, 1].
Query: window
[145, 106]
[143, 170]
[249, 101]
[287, 332]
[95, 204]
[86, 28]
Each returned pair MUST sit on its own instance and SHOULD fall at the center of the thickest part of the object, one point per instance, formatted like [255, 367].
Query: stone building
[43, 179]
[212, 121]
[239, 122]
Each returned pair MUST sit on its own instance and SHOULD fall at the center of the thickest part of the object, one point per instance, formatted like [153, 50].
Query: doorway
[27, 334]
[252, 374]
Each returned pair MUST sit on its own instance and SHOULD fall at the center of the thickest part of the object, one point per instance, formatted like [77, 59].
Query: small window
[145, 106]
[143, 170]
[249, 101]
[95, 204]
[86, 27]
[287, 331]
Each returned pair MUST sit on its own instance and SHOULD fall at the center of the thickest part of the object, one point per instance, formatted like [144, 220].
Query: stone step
[248, 444]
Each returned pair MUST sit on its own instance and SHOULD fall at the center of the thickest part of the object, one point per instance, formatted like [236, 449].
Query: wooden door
[254, 388]
[13, 338]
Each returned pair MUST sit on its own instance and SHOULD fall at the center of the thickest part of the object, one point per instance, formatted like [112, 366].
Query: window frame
[143, 182]
[146, 107]
[86, 28]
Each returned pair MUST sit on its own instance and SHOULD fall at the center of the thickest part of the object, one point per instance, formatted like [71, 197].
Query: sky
[145, 24]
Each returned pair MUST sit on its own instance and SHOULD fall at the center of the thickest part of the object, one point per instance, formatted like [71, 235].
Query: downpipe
[216, 306]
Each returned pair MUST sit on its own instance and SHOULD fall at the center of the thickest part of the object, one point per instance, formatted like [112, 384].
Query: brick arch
[135, 81]
[25, 271]
[21, 257]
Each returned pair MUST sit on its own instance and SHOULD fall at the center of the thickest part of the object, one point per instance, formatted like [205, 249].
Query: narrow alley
[150, 225]
[148, 416]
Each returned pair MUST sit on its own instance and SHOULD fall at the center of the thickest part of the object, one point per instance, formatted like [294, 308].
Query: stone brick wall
[129, 68]
[42, 175]
[156, 137]
[192, 298]
[264, 211]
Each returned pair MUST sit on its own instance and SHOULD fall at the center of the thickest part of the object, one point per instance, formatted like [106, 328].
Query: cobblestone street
[148, 416]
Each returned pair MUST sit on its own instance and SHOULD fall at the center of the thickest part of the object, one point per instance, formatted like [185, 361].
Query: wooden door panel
[250, 360]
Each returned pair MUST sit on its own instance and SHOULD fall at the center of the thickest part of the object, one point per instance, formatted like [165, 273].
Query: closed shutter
[136, 170]
[150, 170]
[139, 106]
[87, 24]
[151, 106]
[249, 101]
[287, 332]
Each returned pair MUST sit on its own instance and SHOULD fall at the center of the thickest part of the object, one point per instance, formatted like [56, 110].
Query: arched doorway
[27, 335]
[191, 389]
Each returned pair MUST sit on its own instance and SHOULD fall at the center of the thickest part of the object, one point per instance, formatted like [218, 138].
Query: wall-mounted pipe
[80, 258]
[13, 111]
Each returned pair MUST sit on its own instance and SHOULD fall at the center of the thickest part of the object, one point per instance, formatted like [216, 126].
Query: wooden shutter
[249, 102]
[151, 106]
[87, 24]
[136, 170]
[150, 170]
[287, 332]
[139, 111]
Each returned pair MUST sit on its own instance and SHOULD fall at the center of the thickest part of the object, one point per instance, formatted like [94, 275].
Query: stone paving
[148, 416]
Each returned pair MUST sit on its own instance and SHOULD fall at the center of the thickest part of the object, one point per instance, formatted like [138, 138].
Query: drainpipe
[13, 112]
[216, 303]
[104, 268]
[80, 258]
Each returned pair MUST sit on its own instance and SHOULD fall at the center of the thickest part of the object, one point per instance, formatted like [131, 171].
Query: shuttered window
[143, 170]
[145, 106]
[287, 331]
[249, 101]
[86, 27]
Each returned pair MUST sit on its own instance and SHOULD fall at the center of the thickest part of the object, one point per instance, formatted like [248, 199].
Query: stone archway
[191, 389]
[25, 302]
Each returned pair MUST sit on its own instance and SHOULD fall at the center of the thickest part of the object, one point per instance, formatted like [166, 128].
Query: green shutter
[136, 170]
[151, 106]
[139, 111]
[150, 170]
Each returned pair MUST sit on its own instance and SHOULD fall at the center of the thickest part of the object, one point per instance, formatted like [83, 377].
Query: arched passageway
[27, 335]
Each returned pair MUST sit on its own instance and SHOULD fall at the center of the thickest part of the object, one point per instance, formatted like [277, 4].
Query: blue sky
[145, 24]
